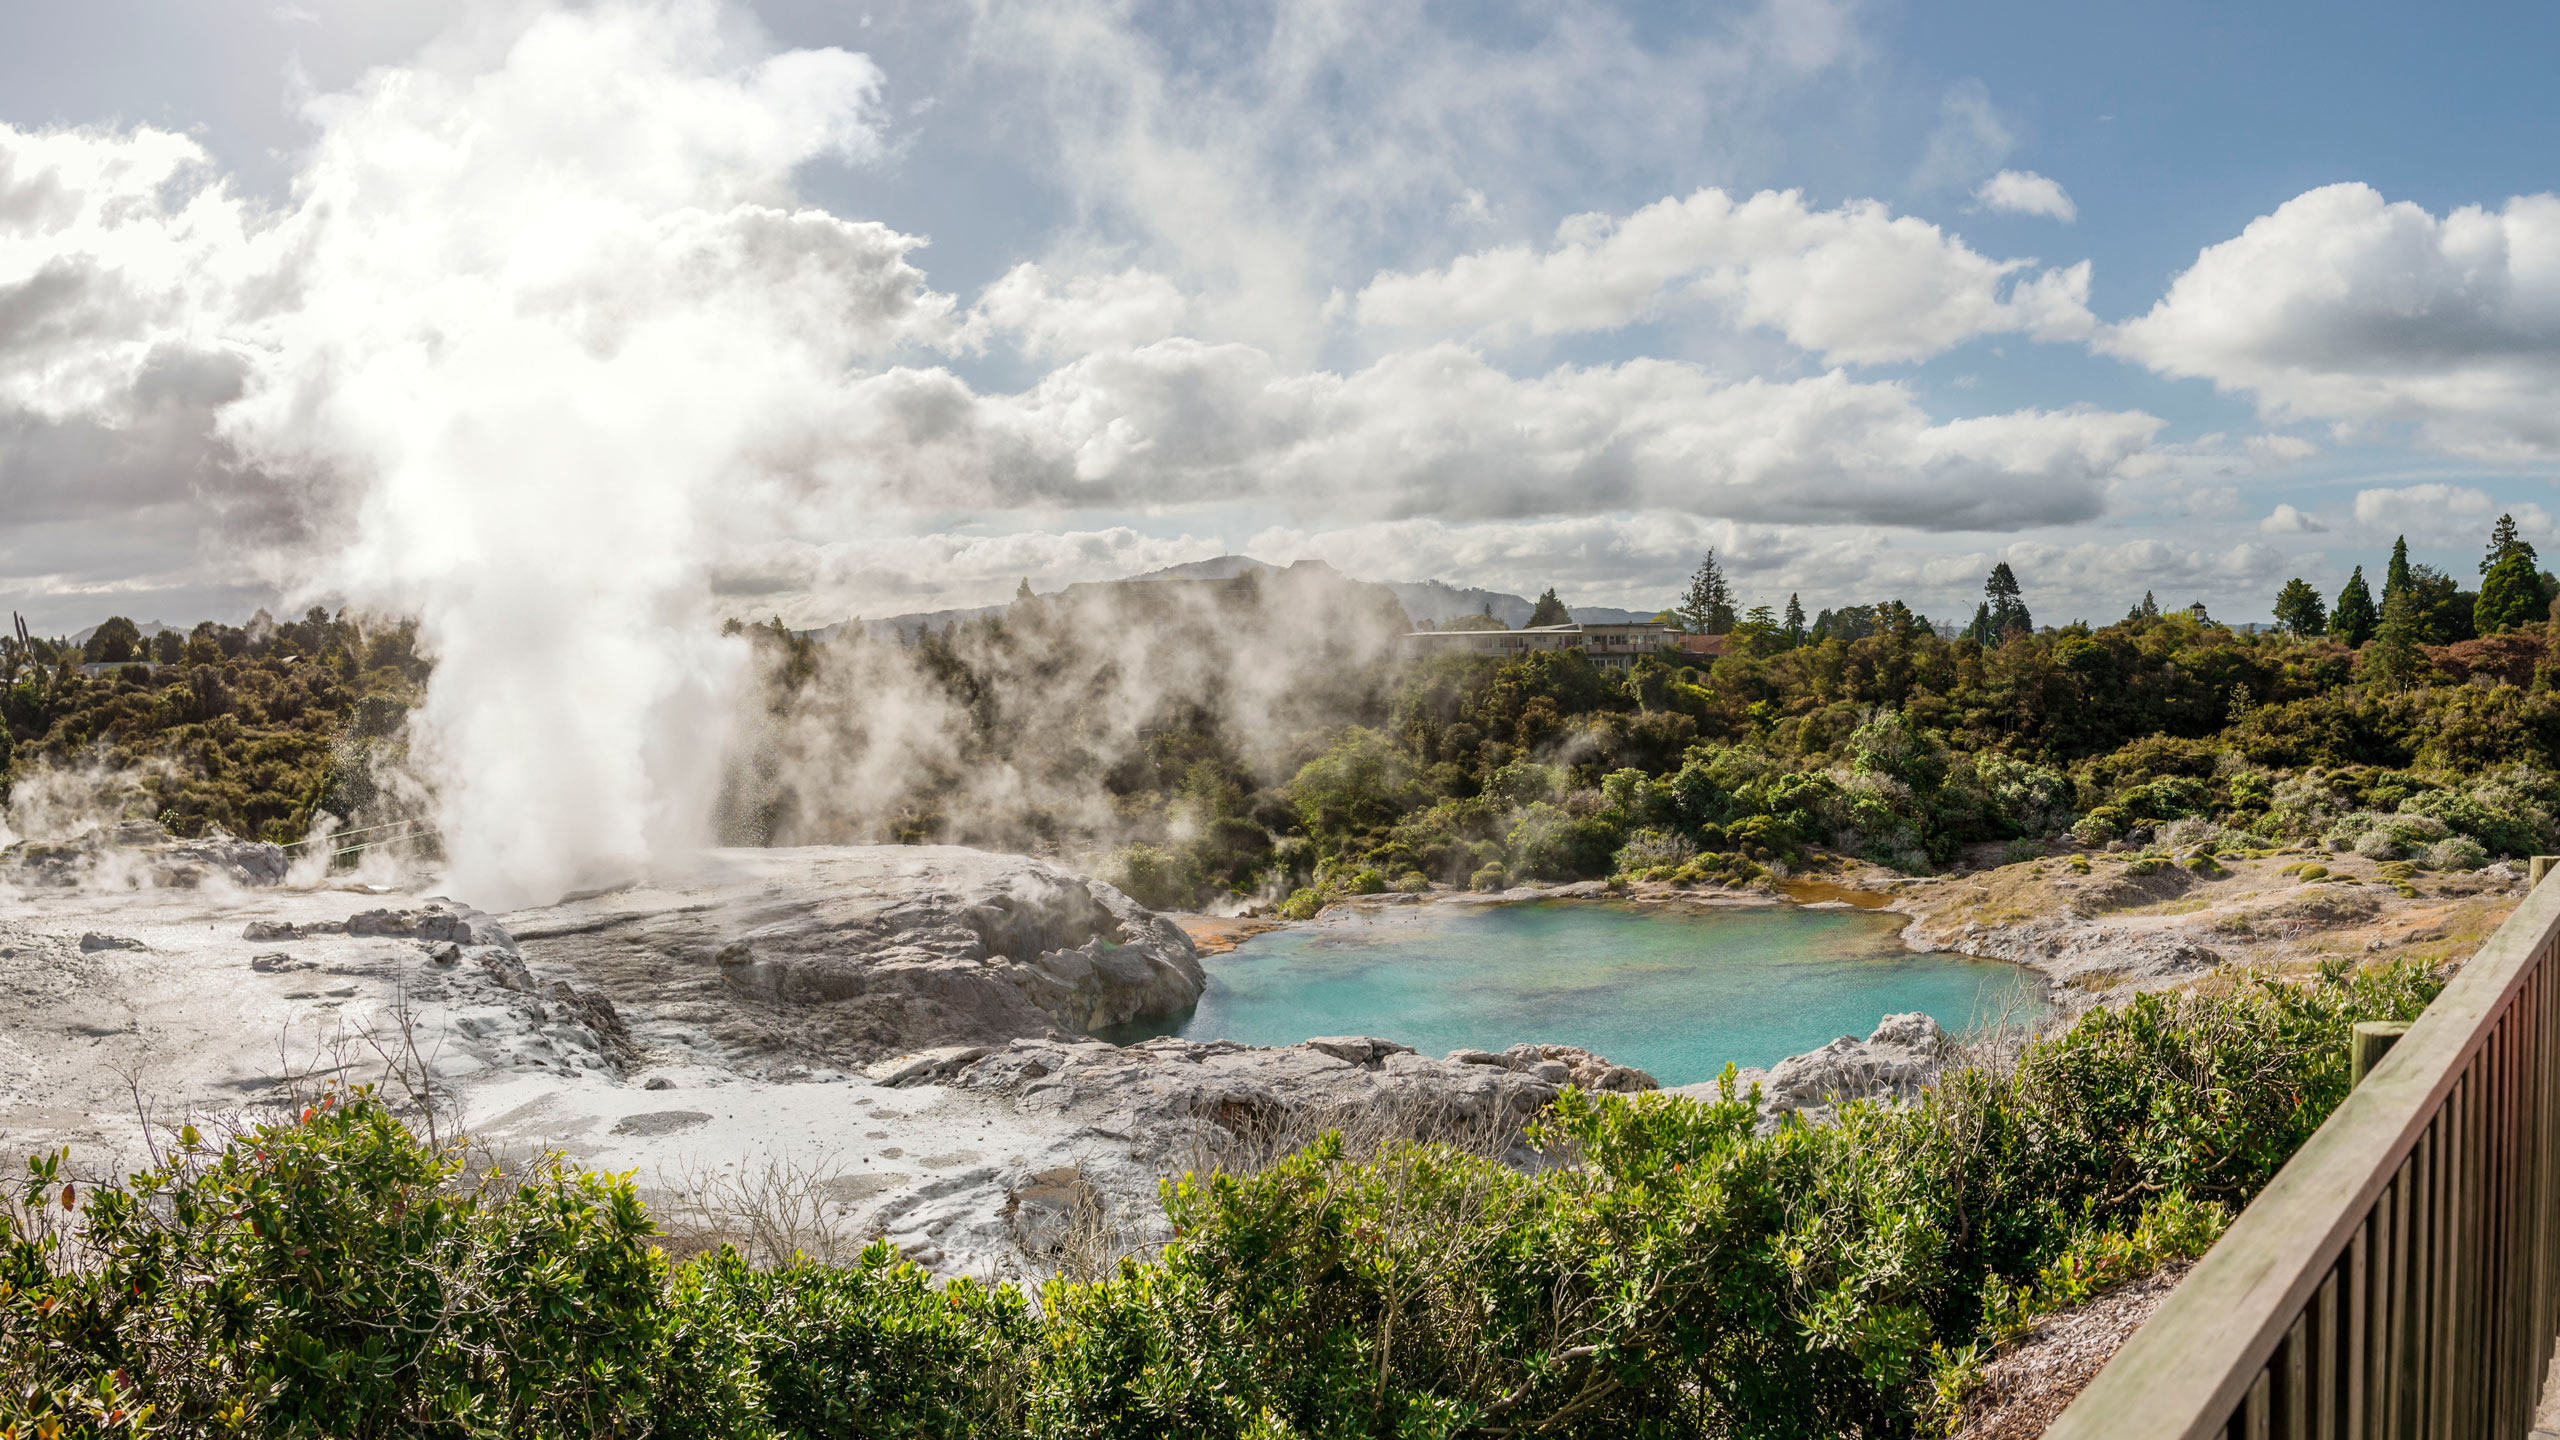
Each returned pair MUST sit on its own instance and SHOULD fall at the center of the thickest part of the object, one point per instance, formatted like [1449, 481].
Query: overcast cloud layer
[1360, 286]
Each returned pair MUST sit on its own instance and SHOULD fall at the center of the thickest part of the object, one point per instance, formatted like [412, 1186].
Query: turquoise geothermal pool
[1673, 991]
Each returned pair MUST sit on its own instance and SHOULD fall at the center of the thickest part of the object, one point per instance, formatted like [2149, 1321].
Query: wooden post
[2372, 1040]
[2542, 866]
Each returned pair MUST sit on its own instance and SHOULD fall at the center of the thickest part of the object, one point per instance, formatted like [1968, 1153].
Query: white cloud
[2280, 449]
[1442, 431]
[2343, 307]
[2286, 520]
[1049, 318]
[1970, 139]
[1857, 284]
[117, 250]
[2425, 507]
[2024, 192]
[1259, 168]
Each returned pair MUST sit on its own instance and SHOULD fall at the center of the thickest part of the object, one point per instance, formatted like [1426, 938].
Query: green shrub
[1490, 876]
[1678, 1272]
[1154, 877]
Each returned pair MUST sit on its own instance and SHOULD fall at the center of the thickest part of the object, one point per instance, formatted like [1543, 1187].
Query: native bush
[1673, 1271]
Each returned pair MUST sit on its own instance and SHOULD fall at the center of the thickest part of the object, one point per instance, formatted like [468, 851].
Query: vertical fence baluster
[2359, 1332]
[2329, 1353]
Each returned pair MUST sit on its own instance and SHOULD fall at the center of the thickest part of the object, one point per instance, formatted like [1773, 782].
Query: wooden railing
[2400, 1277]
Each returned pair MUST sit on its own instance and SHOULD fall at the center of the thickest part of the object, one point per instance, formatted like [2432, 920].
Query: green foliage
[251, 732]
[1549, 611]
[1676, 1272]
[2352, 619]
[2510, 593]
[1707, 607]
[1154, 876]
[2298, 609]
[115, 642]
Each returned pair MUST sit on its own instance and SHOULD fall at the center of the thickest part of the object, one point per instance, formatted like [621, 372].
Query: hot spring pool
[1672, 991]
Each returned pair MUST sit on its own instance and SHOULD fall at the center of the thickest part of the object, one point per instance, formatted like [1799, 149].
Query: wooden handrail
[2397, 1277]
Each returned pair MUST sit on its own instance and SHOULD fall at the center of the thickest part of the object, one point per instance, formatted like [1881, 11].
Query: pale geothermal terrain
[845, 1043]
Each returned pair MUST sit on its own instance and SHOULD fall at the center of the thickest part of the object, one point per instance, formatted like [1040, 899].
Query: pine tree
[2352, 619]
[1550, 611]
[2392, 659]
[2146, 609]
[2008, 612]
[1708, 607]
[2299, 608]
[1795, 620]
[2503, 542]
[1981, 631]
[2396, 579]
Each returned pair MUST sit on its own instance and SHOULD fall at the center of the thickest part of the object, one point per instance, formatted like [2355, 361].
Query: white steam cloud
[548, 316]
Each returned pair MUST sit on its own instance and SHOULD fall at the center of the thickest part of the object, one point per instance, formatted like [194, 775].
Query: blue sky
[1298, 285]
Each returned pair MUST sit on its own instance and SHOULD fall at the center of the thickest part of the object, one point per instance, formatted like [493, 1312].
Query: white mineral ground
[897, 1034]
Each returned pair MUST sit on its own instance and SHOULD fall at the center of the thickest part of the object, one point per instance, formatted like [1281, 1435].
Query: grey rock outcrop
[134, 853]
[1903, 1056]
[838, 957]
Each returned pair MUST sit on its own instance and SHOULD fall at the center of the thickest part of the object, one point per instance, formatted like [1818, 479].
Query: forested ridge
[251, 730]
[1866, 731]
[2407, 733]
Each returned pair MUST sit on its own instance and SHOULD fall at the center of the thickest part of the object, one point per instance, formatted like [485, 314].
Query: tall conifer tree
[2396, 579]
[1708, 607]
[2352, 619]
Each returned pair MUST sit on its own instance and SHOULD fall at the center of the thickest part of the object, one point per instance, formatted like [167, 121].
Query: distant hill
[1426, 602]
[1432, 601]
[149, 630]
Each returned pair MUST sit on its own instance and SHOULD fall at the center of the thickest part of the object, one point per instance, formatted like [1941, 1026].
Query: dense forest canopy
[1271, 735]
[251, 730]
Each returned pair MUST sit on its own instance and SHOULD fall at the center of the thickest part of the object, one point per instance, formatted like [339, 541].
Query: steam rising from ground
[547, 320]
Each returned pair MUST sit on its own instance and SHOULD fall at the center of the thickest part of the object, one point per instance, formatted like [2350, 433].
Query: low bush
[1675, 1272]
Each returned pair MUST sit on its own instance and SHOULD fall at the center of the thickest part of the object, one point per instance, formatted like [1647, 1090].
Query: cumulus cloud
[2342, 306]
[2024, 192]
[2286, 520]
[1858, 284]
[117, 251]
[1047, 317]
[1255, 164]
[1441, 430]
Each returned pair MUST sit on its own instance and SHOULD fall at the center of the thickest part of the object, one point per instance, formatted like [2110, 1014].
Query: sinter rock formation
[1904, 1056]
[140, 855]
[837, 957]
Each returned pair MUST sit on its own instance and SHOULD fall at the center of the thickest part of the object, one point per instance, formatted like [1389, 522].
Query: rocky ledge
[835, 958]
[2102, 927]
[1903, 1056]
[140, 855]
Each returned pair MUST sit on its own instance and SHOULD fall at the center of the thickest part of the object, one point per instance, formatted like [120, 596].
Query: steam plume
[546, 320]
